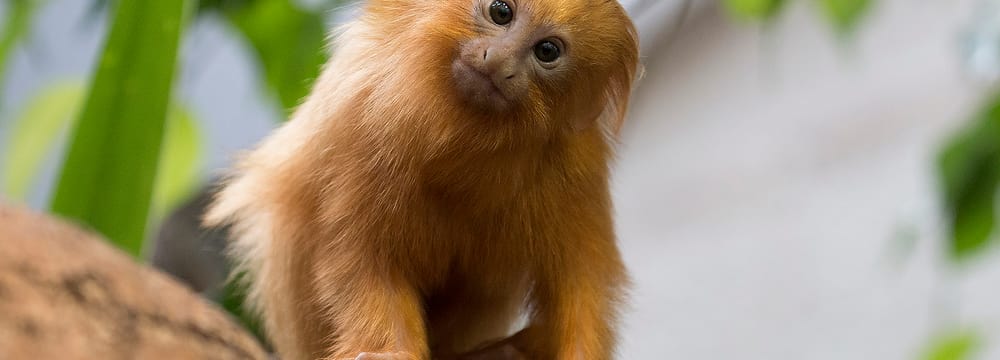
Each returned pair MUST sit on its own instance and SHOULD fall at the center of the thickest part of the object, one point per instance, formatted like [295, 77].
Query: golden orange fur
[391, 215]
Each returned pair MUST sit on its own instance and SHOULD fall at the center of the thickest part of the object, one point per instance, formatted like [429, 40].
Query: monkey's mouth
[478, 87]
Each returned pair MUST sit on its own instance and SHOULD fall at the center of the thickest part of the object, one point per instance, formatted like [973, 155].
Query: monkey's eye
[501, 12]
[547, 51]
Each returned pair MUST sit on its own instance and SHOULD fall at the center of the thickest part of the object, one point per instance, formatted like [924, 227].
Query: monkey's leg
[466, 319]
[502, 350]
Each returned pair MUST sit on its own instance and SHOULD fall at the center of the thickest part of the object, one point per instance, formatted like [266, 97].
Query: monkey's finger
[399, 355]
[505, 351]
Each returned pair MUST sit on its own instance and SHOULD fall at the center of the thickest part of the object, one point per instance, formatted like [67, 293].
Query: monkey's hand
[399, 355]
[505, 349]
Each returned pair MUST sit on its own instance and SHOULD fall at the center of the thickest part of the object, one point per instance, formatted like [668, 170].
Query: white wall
[768, 178]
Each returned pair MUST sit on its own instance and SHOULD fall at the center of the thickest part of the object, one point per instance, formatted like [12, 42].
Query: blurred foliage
[115, 177]
[957, 345]
[969, 168]
[843, 15]
[42, 128]
[16, 22]
[288, 41]
[178, 174]
[754, 9]
[35, 134]
[109, 171]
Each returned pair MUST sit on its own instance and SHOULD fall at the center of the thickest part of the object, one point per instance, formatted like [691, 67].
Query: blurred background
[807, 179]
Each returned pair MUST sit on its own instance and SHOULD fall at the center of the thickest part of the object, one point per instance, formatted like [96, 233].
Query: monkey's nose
[498, 64]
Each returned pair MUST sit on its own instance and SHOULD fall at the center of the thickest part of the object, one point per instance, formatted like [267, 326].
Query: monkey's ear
[616, 102]
[618, 90]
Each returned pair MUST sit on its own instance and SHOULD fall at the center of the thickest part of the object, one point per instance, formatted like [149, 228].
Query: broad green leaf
[288, 42]
[969, 168]
[42, 126]
[958, 345]
[754, 9]
[845, 14]
[108, 174]
[180, 162]
[15, 25]
[35, 133]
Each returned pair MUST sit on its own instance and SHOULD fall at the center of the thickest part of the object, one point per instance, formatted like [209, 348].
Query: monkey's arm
[374, 309]
[576, 296]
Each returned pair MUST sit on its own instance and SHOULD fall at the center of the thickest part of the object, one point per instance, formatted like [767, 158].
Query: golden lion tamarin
[447, 175]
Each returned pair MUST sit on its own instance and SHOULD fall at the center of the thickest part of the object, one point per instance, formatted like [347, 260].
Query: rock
[67, 294]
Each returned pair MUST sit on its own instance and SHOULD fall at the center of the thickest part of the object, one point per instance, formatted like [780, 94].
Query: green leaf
[180, 162]
[957, 345]
[50, 114]
[107, 177]
[845, 14]
[35, 133]
[969, 168]
[15, 26]
[757, 10]
[288, 42]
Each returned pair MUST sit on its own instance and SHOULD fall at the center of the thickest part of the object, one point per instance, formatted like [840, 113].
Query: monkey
[444, 187]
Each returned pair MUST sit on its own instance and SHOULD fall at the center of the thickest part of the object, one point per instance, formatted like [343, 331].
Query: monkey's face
[545, 56]
[496, 68]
